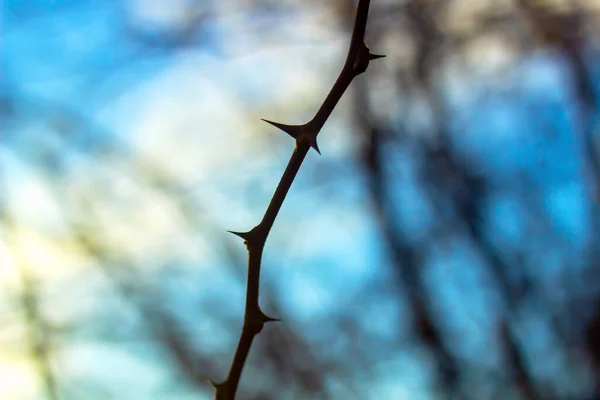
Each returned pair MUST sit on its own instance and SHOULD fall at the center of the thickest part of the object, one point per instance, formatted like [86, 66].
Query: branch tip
[310, 139]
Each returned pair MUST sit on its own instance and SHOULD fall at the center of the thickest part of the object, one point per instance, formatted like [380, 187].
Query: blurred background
[445, 246]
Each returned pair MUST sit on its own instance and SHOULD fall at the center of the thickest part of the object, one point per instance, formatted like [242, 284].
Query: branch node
[256, 321]
[311, 140]
[308, 137]
[362, 58]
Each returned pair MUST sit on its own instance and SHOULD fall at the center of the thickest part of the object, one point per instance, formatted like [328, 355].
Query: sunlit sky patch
[19, 379]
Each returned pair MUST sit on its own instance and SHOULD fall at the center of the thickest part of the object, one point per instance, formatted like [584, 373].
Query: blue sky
[113, 113]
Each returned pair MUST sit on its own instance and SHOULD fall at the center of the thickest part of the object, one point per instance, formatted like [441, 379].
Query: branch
[38, 335]
[305, 135]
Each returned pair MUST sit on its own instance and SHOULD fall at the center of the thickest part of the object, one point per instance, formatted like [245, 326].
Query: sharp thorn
[271, 319]
[314, 145]
[292, 130]
[375, 56]
[266, 318]
[216, 385]
[243, 235]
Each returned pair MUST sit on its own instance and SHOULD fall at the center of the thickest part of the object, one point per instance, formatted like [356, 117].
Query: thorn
[314, 145]
[292, 130]
[215, 384]
[265, 318]
[243, 235]
[271, 319]
[375, 56]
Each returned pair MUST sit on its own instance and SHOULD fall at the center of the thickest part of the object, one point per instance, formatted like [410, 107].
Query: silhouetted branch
[305, 135]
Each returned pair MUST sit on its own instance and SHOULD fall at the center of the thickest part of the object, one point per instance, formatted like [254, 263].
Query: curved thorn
[291, 130]
[243, 235]
[375, 56]
[265, 318]
[314, 145]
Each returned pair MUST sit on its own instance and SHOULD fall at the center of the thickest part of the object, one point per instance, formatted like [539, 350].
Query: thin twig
[305, 135]
[38, 335]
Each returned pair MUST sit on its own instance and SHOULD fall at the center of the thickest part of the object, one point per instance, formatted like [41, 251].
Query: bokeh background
[446, 245]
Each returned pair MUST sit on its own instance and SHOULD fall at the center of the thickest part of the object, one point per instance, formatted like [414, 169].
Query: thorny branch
[305, 135]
